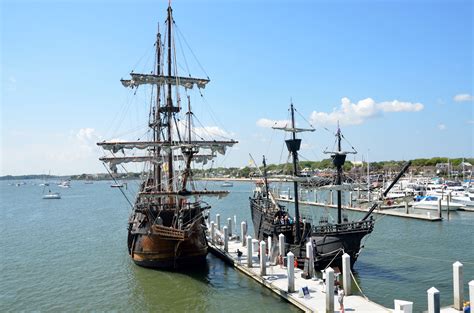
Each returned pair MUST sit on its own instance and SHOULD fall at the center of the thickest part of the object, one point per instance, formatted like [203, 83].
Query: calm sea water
[70, 255]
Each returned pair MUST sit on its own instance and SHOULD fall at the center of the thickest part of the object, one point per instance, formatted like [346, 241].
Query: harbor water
[70, 255]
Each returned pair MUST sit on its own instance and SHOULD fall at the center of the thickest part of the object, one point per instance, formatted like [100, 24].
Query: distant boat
[227, 184]
[116, 185]
[431, 203]
[52, 195]
[88, 182]
[65, 184]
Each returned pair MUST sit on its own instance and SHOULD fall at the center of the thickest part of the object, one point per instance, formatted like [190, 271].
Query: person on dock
[340, 298]
[239, 256]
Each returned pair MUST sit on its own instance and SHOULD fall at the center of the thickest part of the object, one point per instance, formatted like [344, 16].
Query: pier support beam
[281, 245]
[291, 271]
[229, 226]
[433, 300]
[329, 290]
[263, 258]
[310, 257]
[213, 232]
[249, 251]
[457, 285]
[406, 207]
[350, 199]
[226, 239]
[346, 274]
[243, 233]
[218, 221]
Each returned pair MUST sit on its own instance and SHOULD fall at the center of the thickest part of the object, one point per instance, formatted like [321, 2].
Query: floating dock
[314, 294]
[432, 216]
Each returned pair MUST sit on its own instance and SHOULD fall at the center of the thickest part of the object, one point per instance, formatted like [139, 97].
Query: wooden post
[457, 285]
[218, 221]
[439, 208]
[213, 232]
[448, 199]
[270, 244]
[243, 232]
[329, 290]
[229, 226]
[471, 293]
[226, 239]
[281, 245]
[249, 251]
[346, 274]
[406, 207]
[330, 198]
[263, 258]
[433, 300]
[291, 271]
[310, 257]
[350, 199]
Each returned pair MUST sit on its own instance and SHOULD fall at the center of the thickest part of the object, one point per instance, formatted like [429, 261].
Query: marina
[320, 171]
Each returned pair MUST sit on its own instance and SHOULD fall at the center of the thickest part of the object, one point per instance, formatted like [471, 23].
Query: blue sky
[398, 75]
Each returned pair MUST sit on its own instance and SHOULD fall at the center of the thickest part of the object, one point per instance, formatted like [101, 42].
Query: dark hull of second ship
[329, 243]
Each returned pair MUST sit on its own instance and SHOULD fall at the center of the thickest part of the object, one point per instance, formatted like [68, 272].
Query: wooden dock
[276, 281]
[276, 277]
[432, 217]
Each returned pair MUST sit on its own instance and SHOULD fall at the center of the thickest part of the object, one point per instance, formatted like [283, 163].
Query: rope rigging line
[192, 52]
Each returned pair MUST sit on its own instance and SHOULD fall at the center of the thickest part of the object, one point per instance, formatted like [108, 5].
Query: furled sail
[214, 146]
[294, 129]
[141, 79]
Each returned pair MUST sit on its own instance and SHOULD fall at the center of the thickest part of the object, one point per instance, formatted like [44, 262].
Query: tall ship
[329, 240]
[166, 228]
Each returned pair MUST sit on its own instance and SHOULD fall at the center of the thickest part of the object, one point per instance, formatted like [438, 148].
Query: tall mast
[265, 176]
[169, 112]
[293, 146]
[157, 121]
[339, 177]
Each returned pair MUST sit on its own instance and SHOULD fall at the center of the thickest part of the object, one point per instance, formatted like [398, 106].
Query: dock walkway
[432, 217]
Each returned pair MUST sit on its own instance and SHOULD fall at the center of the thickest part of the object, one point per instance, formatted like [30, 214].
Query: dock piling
[243, 232]
[402, 306]
[329, 290]
[291, 271]
[310, 257]
[471, 293]
[406, 207]
[218, 221]
[433, 300]
[346, 273]
[457, 285]
[229, 226]
[226, 239]
[249, 251]
[263, 258]
[439, 208]
[213, 232]
[281, 245]
[350, 199]
[269, 239]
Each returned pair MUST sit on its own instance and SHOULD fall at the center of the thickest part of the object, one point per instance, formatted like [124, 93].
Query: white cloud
[266, 123]
[357, 113]
[463, 97]
[470, 122]
[441, 126]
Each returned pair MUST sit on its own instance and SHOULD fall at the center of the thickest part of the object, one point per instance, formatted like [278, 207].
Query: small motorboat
[52, 195]
[227, 184]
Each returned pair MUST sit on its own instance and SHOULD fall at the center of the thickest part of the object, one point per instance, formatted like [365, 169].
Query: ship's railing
[168, 232]
[366, 225]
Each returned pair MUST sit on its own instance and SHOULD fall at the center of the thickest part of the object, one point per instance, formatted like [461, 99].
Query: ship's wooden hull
[153, 251]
